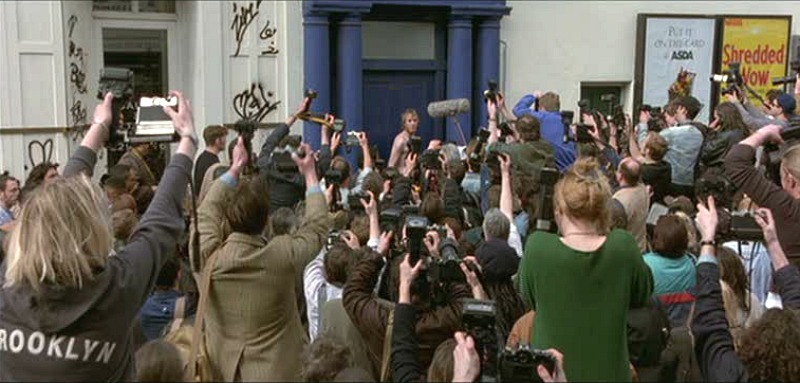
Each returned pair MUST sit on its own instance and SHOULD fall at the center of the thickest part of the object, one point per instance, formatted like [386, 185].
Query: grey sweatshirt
[85, 334]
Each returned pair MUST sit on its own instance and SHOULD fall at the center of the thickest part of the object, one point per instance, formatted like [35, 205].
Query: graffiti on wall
[254, 103]
[243, 17]
[45, 151]
[77, 75]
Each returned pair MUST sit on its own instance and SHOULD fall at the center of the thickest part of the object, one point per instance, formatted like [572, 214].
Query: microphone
[448, 108]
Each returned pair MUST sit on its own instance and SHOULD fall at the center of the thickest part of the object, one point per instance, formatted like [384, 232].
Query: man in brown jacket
[436, 323]
[253, 329]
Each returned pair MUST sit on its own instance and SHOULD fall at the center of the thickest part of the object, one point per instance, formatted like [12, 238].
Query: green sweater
[581, 301]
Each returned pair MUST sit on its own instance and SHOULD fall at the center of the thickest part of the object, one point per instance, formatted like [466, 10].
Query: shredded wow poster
[761, 45]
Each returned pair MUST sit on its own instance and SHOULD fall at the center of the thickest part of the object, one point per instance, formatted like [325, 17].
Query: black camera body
[491, 93]
[448, 267]
[479, 318]
[415, 145]
[545, 218]
[430, 160]
[334, 177]
[521, 365]
[333, 238]
[582, 135]
[120, 83]
[354, 201]
[794, 65]
[351, 140]
[416, 227]
[390, 220]
[732, 78]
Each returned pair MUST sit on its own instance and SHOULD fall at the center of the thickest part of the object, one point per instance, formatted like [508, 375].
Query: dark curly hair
[770, 350]
[325, 358]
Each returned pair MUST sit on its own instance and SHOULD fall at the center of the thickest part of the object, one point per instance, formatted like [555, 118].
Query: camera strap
[387, 349]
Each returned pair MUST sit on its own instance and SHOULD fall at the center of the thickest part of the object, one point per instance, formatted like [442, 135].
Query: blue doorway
[386, 95]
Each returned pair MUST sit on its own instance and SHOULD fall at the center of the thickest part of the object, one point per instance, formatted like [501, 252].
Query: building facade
[368, 59]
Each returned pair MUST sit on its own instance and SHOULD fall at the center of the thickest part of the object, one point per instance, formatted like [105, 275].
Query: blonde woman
[68, 302]
[582, 282]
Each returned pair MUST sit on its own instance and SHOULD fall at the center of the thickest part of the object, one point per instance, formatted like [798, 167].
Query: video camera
[498, 363]
[794, 66]
[120, 83]
[732, 78]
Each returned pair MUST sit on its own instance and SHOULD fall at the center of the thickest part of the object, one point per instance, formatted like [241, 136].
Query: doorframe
[438, 65]
[173, 51]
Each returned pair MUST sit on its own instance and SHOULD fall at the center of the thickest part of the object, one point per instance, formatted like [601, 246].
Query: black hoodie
[69, 334]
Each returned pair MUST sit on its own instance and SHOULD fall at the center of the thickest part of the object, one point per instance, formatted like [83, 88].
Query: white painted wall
[555, 45]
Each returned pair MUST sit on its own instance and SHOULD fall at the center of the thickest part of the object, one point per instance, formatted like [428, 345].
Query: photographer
[726, 130]
[437, 321]
[63, 282]
[286, 187]
[767, 350]
[779, 110]
[656, 173]
[784, 201]
[531, 153]
[685, 142]
[253, 330]
[552, 125]
[569, 279]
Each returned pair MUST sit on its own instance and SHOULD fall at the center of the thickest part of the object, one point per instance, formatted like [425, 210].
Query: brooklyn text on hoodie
[56, 346]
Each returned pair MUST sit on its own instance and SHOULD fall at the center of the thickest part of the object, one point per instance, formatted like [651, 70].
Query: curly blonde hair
[584, 193]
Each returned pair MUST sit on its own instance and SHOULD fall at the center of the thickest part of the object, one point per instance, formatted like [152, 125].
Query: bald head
[630, 171]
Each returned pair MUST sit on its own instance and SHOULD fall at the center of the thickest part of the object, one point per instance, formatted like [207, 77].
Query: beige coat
[253, 329]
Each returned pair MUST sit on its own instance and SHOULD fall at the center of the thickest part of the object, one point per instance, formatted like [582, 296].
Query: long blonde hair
[63, 234]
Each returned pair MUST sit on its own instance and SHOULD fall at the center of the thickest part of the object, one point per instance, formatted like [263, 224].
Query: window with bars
[134, 6]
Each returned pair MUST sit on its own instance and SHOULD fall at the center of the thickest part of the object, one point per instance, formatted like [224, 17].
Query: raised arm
[523, 106]
[84, 159]
[308, 240]
[162, 224]
[405, 367]
[786, 276]
[739, 168]
[359, 301]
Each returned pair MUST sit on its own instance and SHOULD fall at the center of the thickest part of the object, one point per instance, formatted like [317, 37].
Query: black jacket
[286, 188]
[716, 147]
[713, 342]
[405, 367]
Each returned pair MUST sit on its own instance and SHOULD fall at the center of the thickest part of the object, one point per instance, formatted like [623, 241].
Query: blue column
[488, 66]
[317, 70]
[349, 76]
[459, 73]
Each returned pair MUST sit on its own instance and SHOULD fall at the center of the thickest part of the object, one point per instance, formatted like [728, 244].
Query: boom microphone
[448, 108]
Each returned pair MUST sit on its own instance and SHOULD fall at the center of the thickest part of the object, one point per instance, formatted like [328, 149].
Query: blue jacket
[552, 130]
[159, 311]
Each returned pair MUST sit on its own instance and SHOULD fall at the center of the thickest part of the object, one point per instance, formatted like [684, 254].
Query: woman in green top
[582, 283]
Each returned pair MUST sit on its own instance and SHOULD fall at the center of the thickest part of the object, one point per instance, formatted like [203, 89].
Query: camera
[548, 177]
[282, 157]
[505, 129]
[583, 107]
[448, 267]
[339, 125]
[416, 227]
[430, 160]
[351, 140]
[119, 82]
[491, 93]
[522, 364]
[354, 201]
[152, 121]
[415, 145]
[483, 135]
[334, 177]
[582, 134]
[390, 221]
[333, 238]
[731, 77]
[311, 93]
[478, 317]
[794, 65]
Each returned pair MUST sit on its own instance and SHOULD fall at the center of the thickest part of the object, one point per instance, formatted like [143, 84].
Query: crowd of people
[661, 249]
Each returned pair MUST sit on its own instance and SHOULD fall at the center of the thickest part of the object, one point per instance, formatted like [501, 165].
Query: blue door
[386, 95]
